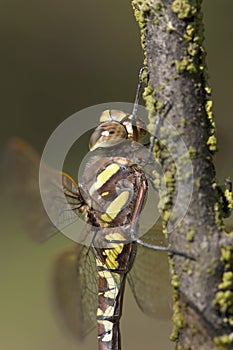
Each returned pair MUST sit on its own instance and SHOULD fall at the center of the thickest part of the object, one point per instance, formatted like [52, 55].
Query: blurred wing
[228, 228]
[149, 278]
[75, 290]
[21, 163]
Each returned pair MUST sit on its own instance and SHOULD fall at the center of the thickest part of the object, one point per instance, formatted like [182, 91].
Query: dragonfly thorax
[112, 193]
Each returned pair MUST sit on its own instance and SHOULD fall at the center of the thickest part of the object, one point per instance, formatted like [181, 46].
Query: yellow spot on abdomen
[112, 255]
[108, 329]
[108, 312]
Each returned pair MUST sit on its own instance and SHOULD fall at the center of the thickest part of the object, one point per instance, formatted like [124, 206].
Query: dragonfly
[90, 279]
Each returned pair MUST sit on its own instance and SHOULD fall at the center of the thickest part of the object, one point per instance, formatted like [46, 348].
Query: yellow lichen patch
[224, 295]
[190, 235]
[208, 90]
[209, 111]
[178, 321]
[224, 342]
[229, 198]
[192, 152]
[183, 9]
[190, 30]
[212, 143]
[175, 281]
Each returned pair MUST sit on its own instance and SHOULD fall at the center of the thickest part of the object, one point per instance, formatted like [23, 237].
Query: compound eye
[107, 134]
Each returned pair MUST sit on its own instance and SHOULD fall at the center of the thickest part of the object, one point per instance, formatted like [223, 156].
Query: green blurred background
[58, 57]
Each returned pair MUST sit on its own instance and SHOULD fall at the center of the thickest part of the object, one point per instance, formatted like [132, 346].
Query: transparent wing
[149, 277]
[75, 290]
[21, 166]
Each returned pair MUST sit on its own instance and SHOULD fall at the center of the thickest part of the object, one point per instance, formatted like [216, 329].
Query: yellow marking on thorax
[115, 206]
[104, 193]
[104, 176]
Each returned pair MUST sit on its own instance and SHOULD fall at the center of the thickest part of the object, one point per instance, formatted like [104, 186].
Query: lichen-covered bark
[172, 39]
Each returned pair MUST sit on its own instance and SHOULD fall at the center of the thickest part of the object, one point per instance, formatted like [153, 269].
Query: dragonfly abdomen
[113, 264]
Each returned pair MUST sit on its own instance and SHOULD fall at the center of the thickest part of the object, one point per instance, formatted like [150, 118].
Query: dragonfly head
[115, 127]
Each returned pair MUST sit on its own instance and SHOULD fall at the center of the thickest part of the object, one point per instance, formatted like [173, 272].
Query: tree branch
[172, 39]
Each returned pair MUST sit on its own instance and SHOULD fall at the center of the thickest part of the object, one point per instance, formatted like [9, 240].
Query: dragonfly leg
[164, 249]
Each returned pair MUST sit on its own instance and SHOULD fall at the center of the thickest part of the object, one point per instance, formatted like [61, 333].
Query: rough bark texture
[172, 38]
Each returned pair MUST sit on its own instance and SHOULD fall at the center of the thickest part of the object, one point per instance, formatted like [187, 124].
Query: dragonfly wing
[21, 163]
[149, 277]
[75, 290]
[228, 228]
